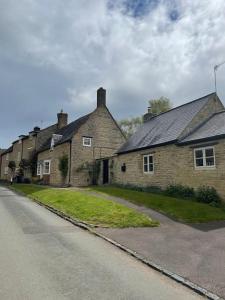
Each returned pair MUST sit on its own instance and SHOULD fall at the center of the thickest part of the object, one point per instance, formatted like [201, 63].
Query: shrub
[208, 194]
[26, 180]
[63, 165]
[178, 190]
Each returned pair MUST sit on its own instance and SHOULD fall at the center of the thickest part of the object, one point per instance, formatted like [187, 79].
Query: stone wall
[172, 165]
[107, 138]
[4, 164]
[54, 155]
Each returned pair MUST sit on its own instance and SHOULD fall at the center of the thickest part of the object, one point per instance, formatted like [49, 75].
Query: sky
[55, 54]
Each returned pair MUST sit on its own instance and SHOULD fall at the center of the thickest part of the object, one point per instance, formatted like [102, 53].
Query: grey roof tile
[67, 132]
[213, 127]
[165, 127]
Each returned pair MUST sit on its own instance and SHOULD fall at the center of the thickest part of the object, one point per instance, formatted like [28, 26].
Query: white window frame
[85, 138]
[148, 171]
[39, 168]
[49, 171]
[203, 149]
[7, 156]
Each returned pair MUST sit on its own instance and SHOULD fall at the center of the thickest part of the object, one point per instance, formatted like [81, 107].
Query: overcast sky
[54, 54]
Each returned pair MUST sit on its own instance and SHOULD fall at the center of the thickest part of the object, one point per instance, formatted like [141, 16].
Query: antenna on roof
[215, 69]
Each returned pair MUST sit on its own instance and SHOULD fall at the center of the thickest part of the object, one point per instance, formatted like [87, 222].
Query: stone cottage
[185, 145]
[83, 141]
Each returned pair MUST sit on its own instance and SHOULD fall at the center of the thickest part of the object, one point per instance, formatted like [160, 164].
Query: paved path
[44, 257]
[194, 252]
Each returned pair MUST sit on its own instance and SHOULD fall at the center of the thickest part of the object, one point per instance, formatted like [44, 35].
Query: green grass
[90, 209]
[182, 210]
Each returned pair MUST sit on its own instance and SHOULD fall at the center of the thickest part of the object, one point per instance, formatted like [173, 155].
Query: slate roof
[165, 127]
[10, 149]
[212, 128]
[67, 132]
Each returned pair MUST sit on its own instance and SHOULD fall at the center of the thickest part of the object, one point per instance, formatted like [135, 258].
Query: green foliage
[208, 194]
[180, 191]
[93, 169]
[12, 165]
[187, 211]
[24, 164]
[130, 125]
[160, 105]
[64, 165]
[88, 208]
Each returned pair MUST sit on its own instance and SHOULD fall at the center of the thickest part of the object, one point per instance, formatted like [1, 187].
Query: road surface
[45, 257]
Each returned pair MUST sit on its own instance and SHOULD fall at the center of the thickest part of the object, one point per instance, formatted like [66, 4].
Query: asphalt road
[44, 257]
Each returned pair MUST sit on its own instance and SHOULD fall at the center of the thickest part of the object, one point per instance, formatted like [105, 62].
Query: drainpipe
[70, 161]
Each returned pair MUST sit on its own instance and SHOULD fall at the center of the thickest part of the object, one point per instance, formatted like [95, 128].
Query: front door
[105, 171]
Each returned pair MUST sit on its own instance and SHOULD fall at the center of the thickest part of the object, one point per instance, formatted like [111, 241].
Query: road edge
[83, 225]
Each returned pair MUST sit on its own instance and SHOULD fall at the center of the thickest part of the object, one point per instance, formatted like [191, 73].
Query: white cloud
[134, 58]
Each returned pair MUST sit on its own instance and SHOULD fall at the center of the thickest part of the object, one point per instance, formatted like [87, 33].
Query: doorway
[105, 171]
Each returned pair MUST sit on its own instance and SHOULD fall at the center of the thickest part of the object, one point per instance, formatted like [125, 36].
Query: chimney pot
[101, 97]
[62, 119]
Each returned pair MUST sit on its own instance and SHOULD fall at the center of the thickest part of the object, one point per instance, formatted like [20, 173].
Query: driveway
[45, 257]
[196, 252]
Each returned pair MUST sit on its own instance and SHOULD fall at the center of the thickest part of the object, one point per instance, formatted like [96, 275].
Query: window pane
[209, 152]
[199, 162]
[151, 159]
[210, 161]
[145, 160]
[198, 153]
[150, 167]
[145, 168]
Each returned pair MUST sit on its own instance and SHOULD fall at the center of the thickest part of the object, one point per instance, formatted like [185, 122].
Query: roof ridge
[195, 100]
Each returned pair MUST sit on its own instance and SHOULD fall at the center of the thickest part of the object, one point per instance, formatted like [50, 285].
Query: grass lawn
[183, 210]
[86, 208]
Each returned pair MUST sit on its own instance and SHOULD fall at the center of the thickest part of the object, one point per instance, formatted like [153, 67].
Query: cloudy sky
[54, 54]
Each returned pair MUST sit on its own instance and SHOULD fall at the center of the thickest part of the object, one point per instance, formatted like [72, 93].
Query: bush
[147, 189]
[26, 180]
[208, 194]
[178, 190]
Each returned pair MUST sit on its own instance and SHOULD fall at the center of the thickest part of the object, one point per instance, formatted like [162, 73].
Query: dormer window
[87, 141]
[55, 139]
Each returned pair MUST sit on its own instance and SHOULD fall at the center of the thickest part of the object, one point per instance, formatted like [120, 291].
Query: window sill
[148, 173]
[205, 168]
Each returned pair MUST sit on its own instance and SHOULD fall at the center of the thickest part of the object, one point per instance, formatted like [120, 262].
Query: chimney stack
[148, 115]
[62, 119]
[101, 97]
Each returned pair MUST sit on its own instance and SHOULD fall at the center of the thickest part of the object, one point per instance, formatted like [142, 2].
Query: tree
[130, 125]
[160, 105]
[63, 166]
[12, 166]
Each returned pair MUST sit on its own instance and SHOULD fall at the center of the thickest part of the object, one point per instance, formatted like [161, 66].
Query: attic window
[55, 139]
[87, 141]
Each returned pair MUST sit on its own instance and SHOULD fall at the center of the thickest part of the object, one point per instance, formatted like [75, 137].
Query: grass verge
[86, 208]
[182, 210]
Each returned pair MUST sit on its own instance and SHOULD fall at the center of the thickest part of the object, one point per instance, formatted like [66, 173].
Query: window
[86, 141]
[6, 170]
[39, 168]
[204, 157]
[148, 163]
[7, 156]
[46, 168]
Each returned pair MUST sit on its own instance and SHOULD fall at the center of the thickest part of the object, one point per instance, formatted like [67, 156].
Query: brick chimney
[148, 115]
[101, 97]
[62, 119]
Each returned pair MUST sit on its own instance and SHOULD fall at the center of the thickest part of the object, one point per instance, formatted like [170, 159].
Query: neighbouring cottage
[83, 141]
[185, 145]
